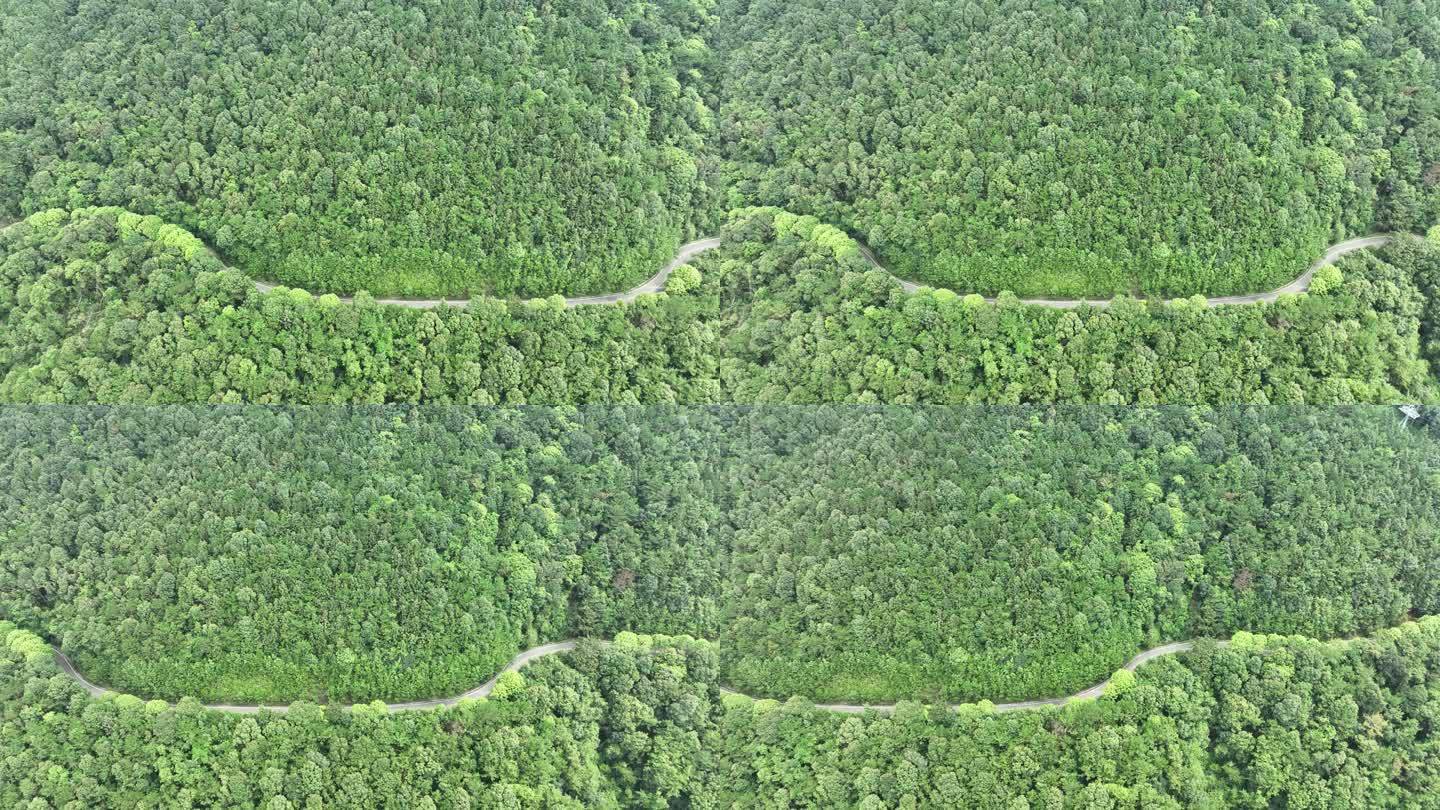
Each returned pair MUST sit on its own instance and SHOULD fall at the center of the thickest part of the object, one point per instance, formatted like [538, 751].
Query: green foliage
[684, 279]
[456, 146]
[440, 149]
[1326, 279]
[806, 327]
[1249, 726]
[251, 553]
[160, 327]
[509, 683]
[1121, 682]
[24, 643]
[1422, 260]
[469, 145]
[1063, 151]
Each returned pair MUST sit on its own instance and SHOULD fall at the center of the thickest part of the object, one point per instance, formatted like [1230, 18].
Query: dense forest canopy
[341, 554]
[435, 148]
[293, 525]
[809, 321]
[335, 554]
[960, 553]
[1062, 149]
[1266, 722]
[458, 146]
[99, 305]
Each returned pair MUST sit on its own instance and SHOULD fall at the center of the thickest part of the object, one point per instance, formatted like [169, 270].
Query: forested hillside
[960, 553]
[1423, 261]
[1060, 150]
[103, 306]
[342, 554]
[228, 474]
[440, 147]
[458, 146]
[335, 554]
[808, 320]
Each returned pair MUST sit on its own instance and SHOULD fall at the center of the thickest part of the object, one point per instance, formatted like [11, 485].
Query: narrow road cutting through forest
[535, 653]
[688, 251]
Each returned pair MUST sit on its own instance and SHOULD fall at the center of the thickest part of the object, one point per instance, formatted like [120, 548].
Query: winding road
[535, 653]
[656, 283]
[690, 250]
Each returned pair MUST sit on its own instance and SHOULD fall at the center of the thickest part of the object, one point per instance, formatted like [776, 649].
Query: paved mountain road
[535, 653]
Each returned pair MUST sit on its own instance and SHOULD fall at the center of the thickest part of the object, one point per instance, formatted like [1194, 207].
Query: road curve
[690, 250]
[534, 653]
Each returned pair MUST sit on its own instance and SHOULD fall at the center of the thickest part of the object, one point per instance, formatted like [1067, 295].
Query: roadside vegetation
[338, 555]
[962, 553]
[808, 320]
[602, 727]
[851, 493]
[1267, 722]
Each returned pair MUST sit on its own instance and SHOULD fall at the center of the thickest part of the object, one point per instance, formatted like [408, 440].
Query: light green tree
[684, 279]
[509, 683]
